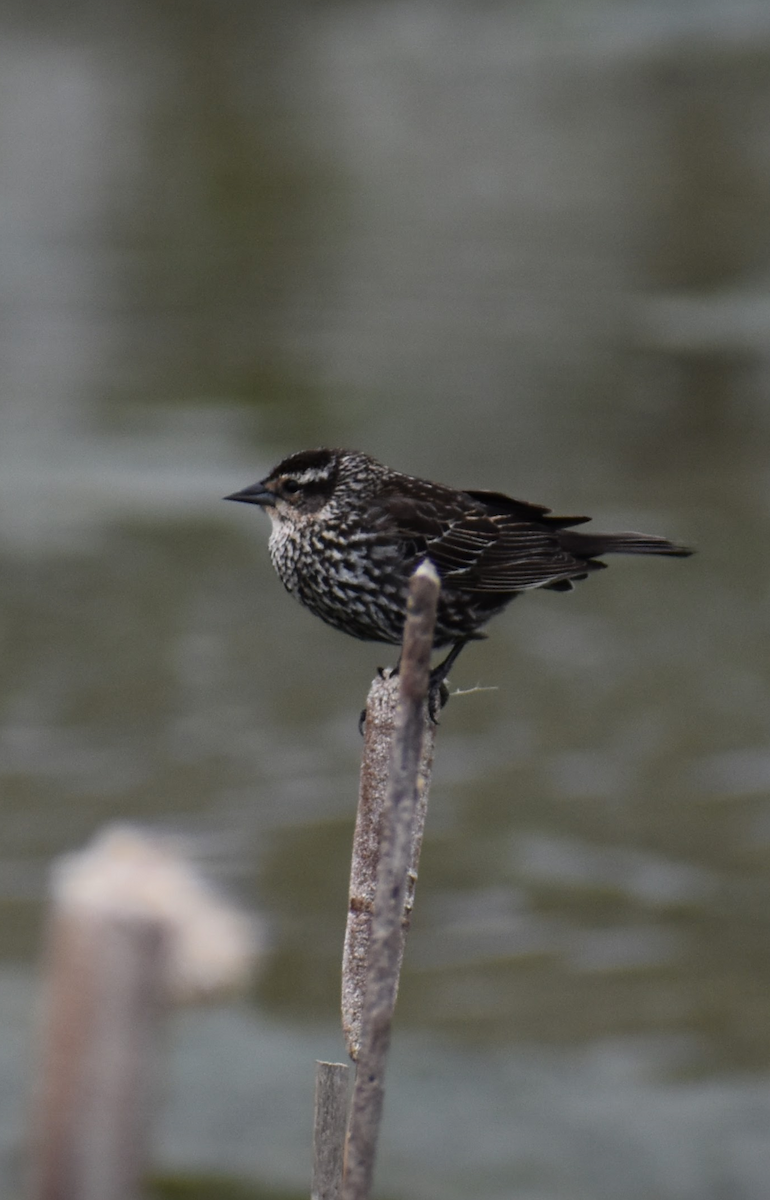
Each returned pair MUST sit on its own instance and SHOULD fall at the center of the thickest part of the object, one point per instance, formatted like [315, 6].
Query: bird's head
[305, 483]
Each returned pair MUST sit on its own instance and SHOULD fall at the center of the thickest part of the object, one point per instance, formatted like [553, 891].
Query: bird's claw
[438, 694]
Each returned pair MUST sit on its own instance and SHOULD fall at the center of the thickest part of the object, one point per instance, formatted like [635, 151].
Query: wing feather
[498, 551]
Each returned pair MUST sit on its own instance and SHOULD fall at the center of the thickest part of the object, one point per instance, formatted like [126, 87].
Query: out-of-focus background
[523, 247]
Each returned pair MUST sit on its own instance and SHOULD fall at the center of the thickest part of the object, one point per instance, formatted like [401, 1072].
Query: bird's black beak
[256, 494]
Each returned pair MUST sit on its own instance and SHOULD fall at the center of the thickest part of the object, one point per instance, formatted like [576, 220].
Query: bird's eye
[290, 487]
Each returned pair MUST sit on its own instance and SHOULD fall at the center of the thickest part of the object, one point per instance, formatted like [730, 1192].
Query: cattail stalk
[404, 797]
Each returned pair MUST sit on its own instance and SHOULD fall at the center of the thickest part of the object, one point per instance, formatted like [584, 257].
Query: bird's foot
[438, 694]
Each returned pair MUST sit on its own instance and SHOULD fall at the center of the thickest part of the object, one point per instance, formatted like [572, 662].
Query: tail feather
[593, 545]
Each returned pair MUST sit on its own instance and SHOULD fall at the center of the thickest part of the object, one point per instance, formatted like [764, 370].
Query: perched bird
[347, 533]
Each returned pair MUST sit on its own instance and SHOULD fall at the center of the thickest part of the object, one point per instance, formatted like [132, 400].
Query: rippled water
[491, 247]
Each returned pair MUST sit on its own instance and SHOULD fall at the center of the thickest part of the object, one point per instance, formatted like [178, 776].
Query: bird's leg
[438, 693]
[439, 673]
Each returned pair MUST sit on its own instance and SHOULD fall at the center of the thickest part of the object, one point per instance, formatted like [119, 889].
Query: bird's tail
[593, 545]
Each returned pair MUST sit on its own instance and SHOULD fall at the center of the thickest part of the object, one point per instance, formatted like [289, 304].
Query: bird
[348, 532]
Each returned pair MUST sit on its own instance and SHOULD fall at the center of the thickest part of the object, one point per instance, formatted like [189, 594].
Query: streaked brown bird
[347, 533]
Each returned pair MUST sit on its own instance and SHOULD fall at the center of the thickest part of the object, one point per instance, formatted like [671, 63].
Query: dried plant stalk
[329, 1124]
[381, 706]
[106, 993]
[132, 927]
[403, 798]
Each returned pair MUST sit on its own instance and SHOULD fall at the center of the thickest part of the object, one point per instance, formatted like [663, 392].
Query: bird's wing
[478, 551]
[498, 502]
